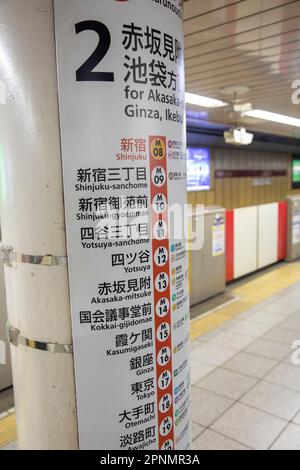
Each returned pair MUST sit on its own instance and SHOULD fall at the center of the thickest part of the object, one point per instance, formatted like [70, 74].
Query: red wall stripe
[282, 230]
[229, 246]
[165, 397]
[219, 174]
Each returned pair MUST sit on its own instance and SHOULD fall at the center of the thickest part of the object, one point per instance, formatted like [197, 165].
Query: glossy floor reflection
[246, 383]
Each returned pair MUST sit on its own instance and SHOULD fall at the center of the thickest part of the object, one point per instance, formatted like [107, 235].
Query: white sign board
[122, 112]
[296, 228]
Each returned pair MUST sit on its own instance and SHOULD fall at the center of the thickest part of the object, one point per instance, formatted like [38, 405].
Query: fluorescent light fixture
[203, 101]
[274, 117]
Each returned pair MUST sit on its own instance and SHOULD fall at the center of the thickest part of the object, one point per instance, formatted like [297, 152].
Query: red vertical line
[162, 162]
[282, 230]
[229, 245]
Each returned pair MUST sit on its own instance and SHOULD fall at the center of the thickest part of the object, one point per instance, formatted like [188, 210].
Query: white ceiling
[253, 43]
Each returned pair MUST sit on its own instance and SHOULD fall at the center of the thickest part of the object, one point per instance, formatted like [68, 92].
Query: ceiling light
[274, 117]
[242, 108]
[203, 101]
[238, 136]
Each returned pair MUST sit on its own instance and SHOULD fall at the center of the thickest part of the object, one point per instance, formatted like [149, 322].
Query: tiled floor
[6, 400]
[7, 430]
[246, 389]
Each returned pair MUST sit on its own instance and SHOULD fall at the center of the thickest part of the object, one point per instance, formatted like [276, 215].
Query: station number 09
[86, 72]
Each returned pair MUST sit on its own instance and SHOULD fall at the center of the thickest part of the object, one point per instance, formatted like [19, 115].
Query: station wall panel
[268, 216]
[256, 237]
[245, 241]
[233, 193]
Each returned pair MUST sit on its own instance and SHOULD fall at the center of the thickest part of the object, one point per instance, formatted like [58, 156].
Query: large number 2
[86, 72]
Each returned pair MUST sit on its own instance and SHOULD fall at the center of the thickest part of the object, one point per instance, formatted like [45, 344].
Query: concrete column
[32, 218]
